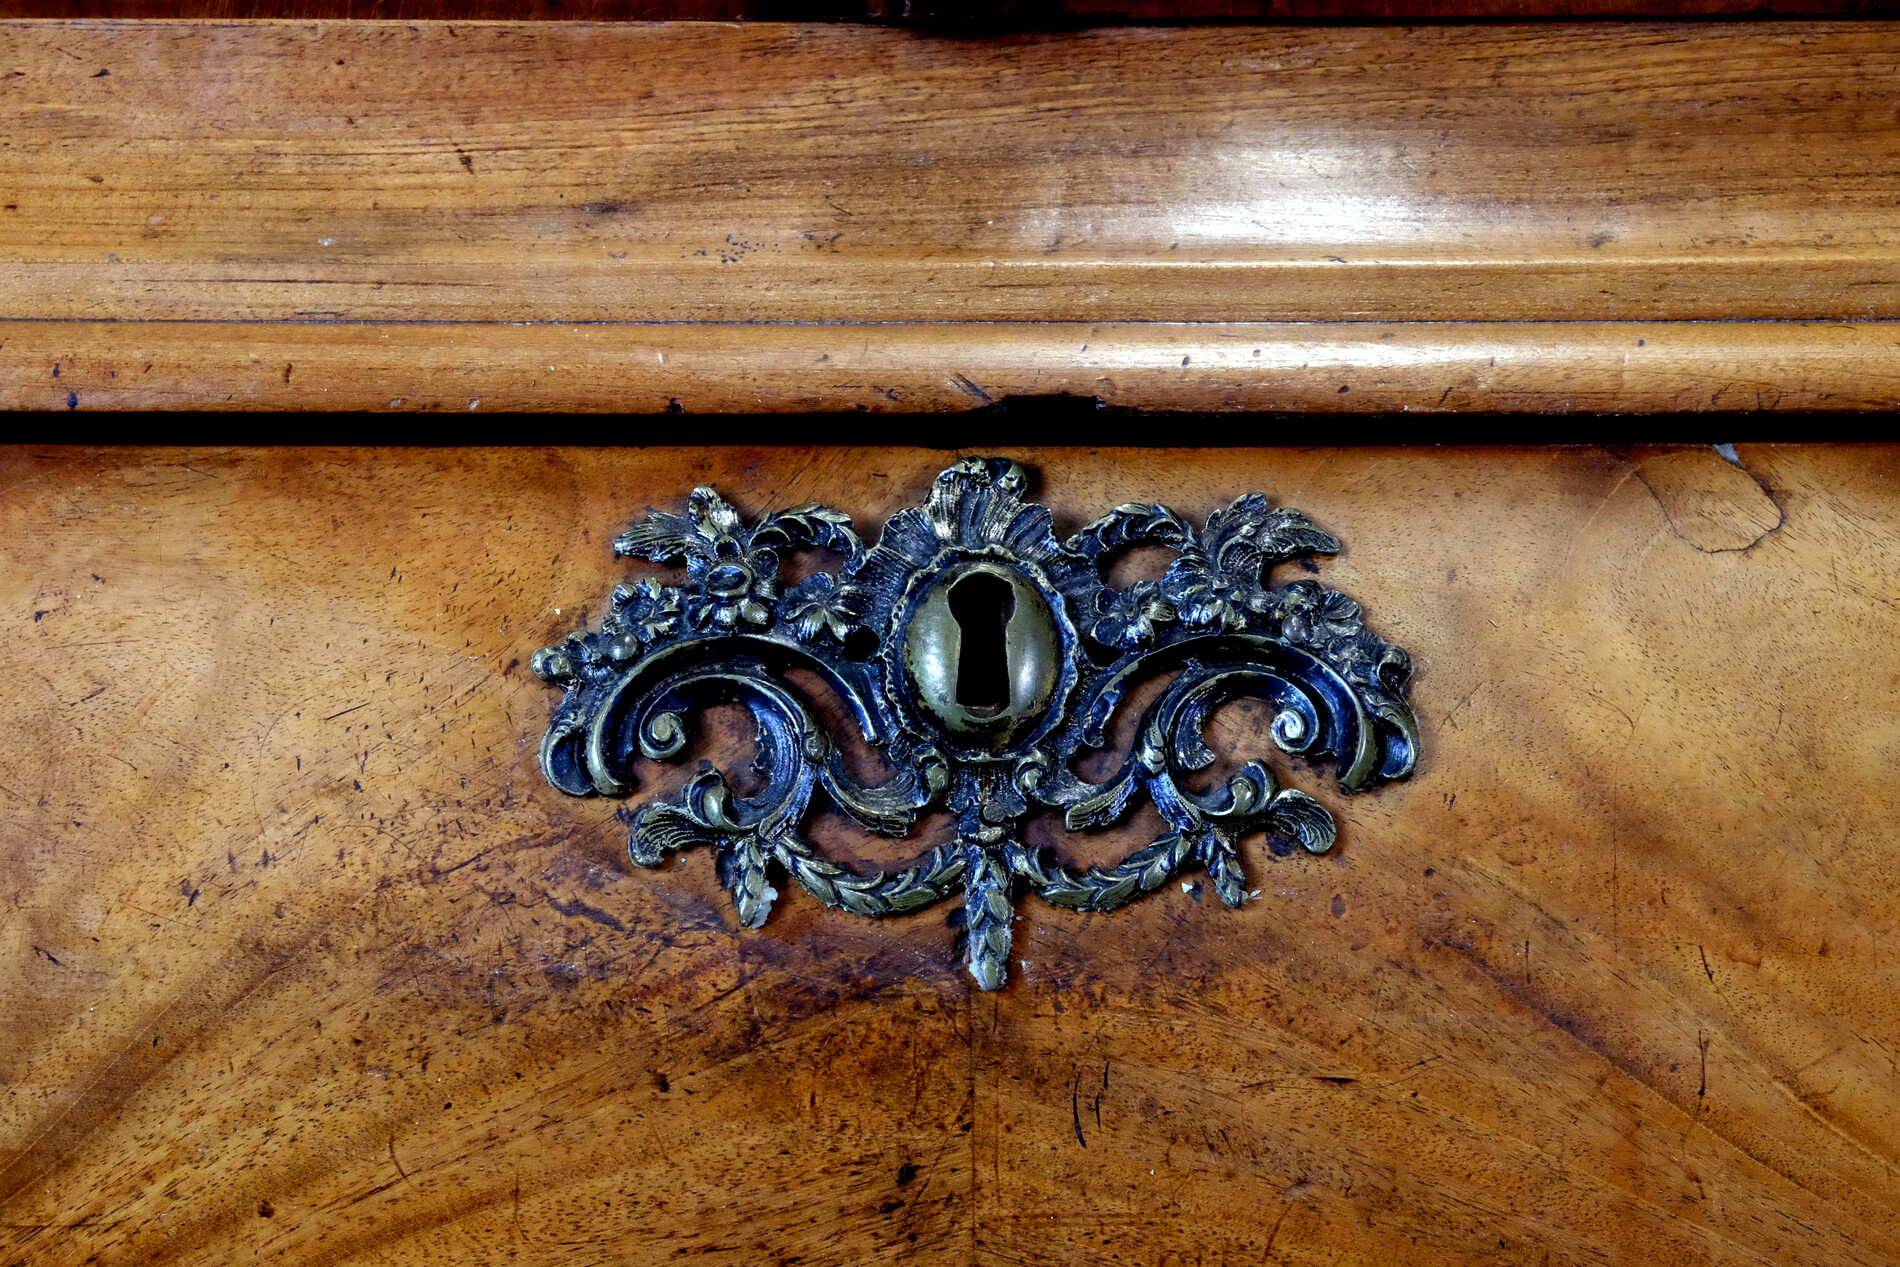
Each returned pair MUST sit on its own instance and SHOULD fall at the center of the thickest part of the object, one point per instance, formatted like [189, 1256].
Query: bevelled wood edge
[1331, 367]
[772, 172]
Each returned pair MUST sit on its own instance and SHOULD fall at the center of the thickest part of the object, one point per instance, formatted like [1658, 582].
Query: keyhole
[982, 605]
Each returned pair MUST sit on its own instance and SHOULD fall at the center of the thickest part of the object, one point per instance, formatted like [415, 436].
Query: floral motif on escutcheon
[891, 631]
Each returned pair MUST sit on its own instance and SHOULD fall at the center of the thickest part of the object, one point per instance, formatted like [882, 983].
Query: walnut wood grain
[192, 210]
[1325, 367]
[700, 172]
[306, 963]
[385, 203]
[964, 17]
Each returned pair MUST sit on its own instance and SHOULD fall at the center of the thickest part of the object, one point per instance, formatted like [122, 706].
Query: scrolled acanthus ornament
[982, 657]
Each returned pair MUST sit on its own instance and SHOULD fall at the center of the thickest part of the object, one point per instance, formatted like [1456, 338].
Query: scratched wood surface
[222, 190]
[971, 16]
[1322, 367]
[562, 172]
[305, 963]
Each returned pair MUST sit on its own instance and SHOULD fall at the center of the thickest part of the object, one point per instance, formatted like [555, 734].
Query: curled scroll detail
[981, 657]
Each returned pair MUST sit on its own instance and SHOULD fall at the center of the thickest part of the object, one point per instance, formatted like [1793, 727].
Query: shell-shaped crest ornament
[981, 657]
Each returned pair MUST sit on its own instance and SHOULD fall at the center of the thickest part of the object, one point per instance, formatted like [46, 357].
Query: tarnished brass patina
[999, 605]
[982, 656]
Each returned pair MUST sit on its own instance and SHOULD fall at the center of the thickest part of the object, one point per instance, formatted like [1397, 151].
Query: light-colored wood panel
[1555, 367]
[578, 172]
[306, 963]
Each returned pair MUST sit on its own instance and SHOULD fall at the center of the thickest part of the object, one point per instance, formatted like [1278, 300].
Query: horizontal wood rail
[1557, 367]
[967, 16]
[1616, 217]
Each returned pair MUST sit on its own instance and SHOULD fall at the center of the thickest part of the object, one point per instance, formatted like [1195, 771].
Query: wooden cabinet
[308, 964]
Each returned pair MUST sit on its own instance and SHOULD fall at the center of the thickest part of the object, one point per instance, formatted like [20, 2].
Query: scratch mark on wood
[519, 1234]
[1275, 1233]
[582, 909]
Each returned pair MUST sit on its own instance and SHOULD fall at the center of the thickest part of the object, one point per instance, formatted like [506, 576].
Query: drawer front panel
[306, 960]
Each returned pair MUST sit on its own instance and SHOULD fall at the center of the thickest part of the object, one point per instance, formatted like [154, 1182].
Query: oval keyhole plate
[983, 653]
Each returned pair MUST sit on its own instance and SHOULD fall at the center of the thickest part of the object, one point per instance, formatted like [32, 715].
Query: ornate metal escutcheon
[981, 657]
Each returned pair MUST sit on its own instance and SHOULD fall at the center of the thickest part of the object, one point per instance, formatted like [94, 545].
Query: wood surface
[432, 185]
[963, 17]
[561, 172]
[306, 963]
[1571, 367]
